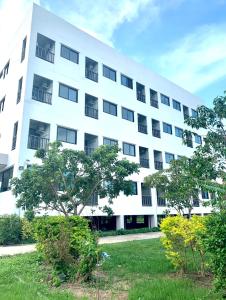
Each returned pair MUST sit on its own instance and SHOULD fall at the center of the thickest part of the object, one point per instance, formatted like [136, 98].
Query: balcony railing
[91, 112]
[41, 95]
[156, 133]
[146, 201]
[45, 54]
[144, 162]
[89, 150]
[37, 142]
[142, 128]
[91, 75]
[158, 165]
[161, 201]
[154, 103]
[140, 96]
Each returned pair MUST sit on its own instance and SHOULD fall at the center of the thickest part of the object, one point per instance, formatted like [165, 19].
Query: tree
[176, 184]
[67, 180]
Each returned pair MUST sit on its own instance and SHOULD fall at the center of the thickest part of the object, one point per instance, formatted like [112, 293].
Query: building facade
[59, 83]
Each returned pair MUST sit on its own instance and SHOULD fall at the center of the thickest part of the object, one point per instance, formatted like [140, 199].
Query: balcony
[91, 69]
[140, 96]
[89, 150]
[158, 165]
[146, 201]
[142, 123]
[91, 143]
[161, 202]
[196, 202]
[154, 98]
[142, 128]
[144, 162]
[91, 75]
[40, 94]
[156, 133]
[91, 112]
[140, 92]
[37, 142]
[45, 54]
[154, 103]
[45, 48]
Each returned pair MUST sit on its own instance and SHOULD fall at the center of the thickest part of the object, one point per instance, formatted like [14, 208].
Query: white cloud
[198, 59]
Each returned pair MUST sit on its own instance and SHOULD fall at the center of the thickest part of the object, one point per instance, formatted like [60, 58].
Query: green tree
[176, 185]
[66, 180]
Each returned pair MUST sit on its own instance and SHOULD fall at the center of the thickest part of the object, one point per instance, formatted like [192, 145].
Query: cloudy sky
[183, 40]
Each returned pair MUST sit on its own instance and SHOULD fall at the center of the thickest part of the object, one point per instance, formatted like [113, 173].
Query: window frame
[176, 105]
[69, 88]
[168, 153]
[128, 80]
[180, 129]
[110, 104]
[70, 50]
[67, 129]
[127, 110]
[110, 70]
[163, 96]
[130, 146]
[164, 124]
[115, 142]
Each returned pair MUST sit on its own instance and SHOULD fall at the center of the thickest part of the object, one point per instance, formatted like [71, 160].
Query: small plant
[10, 230]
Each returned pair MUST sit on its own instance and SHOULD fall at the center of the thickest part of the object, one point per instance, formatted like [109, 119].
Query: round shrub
[68, 244]
[10, 230]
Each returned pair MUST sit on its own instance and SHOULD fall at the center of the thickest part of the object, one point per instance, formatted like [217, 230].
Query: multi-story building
[59, 83]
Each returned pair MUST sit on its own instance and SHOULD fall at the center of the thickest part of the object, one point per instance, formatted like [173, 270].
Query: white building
[58, 82]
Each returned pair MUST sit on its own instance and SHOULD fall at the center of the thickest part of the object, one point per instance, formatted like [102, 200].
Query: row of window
[46, 50]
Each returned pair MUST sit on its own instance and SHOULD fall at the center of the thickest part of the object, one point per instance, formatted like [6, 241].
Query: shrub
[215, 244]
[68, 245]
[10, 230]
[127, 231]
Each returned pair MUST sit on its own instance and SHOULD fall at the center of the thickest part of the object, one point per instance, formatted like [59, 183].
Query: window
[109, 73]
[91, 69]
[198, 139]
[167, 128]
[127, 114]
[19, 90]
[205, 195]
[4, 71]
[134, 187]
[69, 54]
[126, 81]
[129, 149]
[110, 142]
[165, 100]
[154, 98]
[169, 157]
[23, 49]
[2, 104]
[45, 48]
[15, 128]
[5, 177]
[66, 135]
[109, 108]
[176, 105]
[185, 112]
[194, 113]
[178, 132]
[68, 92]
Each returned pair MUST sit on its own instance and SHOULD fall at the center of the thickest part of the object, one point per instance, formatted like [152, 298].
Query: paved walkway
[20, 249]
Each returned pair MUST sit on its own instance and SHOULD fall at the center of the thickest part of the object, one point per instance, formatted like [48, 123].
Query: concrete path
[20, 249]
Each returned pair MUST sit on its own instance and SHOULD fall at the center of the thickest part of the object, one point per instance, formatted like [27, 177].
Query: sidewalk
[20, 249]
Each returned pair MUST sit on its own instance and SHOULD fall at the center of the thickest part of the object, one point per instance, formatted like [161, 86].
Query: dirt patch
[201, 280]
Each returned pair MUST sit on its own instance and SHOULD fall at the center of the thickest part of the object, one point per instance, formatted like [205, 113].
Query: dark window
[165, 100]
[129, 149]
[198, 139]
[178, 132]
[69, 54]
[169, 157]
[66, 135]
[110, 142]
[91, 106]
[91, 69]
[154, 98]
[23, 49]
[140, 92]
[109, 108]
[194, 113]
[146, 195]
[4, 71]
[5, 177]
[2, 104]
[126, 81]
[127, 114]
[161, 201]
[185, 112]
[68, 92]
[134, 187]
[20, 83]
[176, 105]
[45, 48]
[205, 195]
[15, 128]
[109, 73]
[167, 128]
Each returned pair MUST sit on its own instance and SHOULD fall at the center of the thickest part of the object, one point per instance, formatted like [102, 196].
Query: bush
[10, 230]
[127, 231]
[215, 244]
[68, 245]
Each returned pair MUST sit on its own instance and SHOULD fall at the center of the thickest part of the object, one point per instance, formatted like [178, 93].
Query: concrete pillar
[154, 221]
[120, 222]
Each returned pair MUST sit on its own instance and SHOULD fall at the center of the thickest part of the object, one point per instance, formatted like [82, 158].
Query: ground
[135, 270]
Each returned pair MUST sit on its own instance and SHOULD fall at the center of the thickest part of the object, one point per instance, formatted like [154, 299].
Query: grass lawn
[135, 270]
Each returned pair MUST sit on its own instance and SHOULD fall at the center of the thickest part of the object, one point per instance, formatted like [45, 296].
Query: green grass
[137, 268]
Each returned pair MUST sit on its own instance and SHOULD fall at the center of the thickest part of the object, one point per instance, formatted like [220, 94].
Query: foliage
[127, 231]
[68, 244]
[67, 179]
[10, 230]
[176, 184]
[214, 242]
[182, 236]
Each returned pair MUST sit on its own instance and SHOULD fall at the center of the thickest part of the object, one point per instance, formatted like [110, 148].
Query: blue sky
[183, 40]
